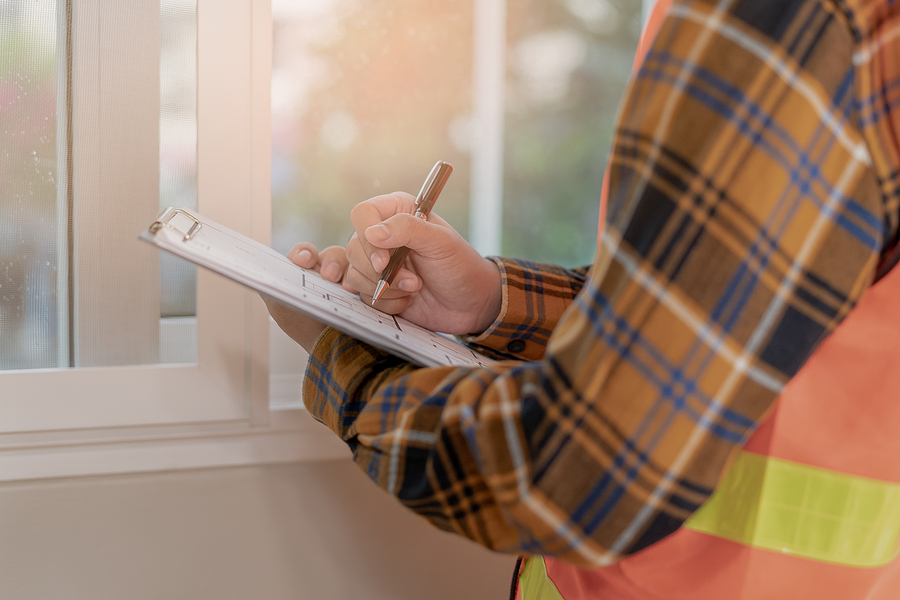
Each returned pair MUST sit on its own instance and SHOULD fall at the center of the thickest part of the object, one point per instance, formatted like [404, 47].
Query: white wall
[315, 530]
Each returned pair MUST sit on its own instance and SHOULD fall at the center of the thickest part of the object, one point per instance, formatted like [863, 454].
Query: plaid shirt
[753, 190]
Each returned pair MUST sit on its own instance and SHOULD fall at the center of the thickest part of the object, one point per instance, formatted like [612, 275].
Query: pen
[432, 187]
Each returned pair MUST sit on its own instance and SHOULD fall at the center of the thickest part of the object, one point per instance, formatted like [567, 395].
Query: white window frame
[65, 422]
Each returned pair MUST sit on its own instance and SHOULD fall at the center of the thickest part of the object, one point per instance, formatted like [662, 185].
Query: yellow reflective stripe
[804, 511]
[535, 583]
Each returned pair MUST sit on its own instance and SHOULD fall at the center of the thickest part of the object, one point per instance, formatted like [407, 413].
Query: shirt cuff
[534, 298]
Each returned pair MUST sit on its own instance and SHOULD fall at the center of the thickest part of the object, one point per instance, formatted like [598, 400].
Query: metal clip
[166, 216]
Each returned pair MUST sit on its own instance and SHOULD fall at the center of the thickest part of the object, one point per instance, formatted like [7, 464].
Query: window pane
[177, 173]
[29, 180]
[178, 144]
[53, 314]
[567, 67]
[366, 96]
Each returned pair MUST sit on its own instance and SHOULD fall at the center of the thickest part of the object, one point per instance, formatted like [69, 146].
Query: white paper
[257, 266]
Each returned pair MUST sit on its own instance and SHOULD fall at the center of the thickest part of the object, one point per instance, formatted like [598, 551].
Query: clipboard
[208, 244]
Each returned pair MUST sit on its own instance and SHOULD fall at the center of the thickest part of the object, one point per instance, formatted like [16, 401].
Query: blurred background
[366, 96]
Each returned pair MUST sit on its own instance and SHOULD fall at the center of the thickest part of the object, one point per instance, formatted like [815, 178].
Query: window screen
[32, 302]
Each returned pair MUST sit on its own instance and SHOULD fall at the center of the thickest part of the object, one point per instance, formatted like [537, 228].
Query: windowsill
[291, 436]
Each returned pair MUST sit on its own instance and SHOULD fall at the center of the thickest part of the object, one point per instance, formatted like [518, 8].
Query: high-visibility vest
[810, 508]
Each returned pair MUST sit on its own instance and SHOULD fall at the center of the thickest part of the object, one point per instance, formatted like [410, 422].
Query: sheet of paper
[257, 266]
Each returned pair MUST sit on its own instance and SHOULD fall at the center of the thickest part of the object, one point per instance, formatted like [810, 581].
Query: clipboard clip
[163, 221]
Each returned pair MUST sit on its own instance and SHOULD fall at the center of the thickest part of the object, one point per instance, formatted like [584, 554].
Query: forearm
[510, 456]
[439, 439]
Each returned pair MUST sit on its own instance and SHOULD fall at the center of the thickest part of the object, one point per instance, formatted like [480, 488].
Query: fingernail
[377, 233]
[378, 261]
[407, 285]
[304, 256]
[331, 271]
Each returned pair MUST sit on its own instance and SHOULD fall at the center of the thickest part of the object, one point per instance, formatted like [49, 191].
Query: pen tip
[379, 290]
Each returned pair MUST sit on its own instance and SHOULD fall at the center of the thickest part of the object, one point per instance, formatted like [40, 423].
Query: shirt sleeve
[745, 221]
[534, 297]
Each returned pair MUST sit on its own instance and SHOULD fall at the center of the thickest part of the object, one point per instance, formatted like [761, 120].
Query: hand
[445, 285]
[331, 263]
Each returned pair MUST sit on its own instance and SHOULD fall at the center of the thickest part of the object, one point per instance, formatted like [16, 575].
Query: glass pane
[366, 96]
[29, 180]
[178, 173]
[568, 63]
[178, 143]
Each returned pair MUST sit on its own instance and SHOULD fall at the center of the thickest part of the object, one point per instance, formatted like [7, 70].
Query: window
[48, 314]
[110, 110]
[105, 404]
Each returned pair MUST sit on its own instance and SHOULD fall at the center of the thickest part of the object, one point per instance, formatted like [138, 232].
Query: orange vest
[811, 506]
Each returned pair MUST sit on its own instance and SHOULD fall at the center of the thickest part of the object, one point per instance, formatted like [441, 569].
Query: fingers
[334, 263]
[377, 209]
[331, 263]
[404, 284]
[428, 238]
[391, 306]
[362, 277]
[373, 211]
[304, 255]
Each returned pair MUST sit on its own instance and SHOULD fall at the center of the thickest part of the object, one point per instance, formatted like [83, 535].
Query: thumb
[426, 238]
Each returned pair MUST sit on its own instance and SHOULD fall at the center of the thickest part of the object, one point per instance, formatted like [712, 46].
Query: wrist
[489, 281]
[299, 327]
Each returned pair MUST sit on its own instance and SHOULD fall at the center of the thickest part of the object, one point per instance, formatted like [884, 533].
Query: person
[709, 409]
